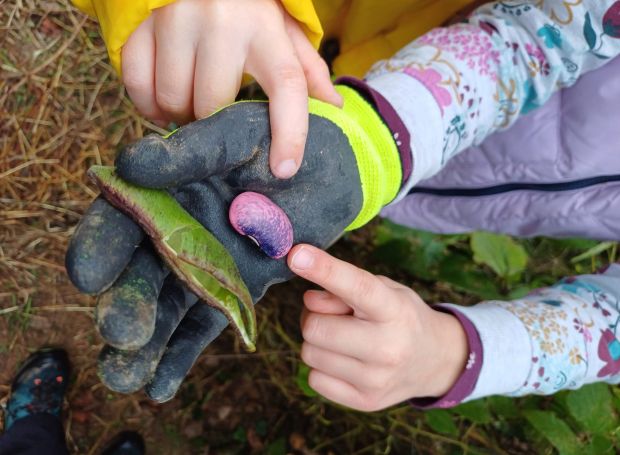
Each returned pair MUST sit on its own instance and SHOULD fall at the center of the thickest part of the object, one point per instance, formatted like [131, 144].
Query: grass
[62, 110]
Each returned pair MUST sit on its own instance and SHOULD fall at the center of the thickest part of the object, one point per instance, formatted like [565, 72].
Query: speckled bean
[259, 218]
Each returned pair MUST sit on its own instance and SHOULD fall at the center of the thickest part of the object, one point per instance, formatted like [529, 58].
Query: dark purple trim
[391, 119]
[464, 385]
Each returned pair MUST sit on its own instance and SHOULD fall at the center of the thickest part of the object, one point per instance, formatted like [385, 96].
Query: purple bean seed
[259, 218]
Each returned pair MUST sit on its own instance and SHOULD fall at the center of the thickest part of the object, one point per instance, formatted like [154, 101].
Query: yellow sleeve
[357, 58]
[303, 12]
[119, 18]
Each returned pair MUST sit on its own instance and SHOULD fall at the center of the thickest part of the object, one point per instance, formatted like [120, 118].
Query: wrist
[452, 353]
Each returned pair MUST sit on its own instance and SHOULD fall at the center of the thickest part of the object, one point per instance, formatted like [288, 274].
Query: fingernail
[303, 259]
[286, 169]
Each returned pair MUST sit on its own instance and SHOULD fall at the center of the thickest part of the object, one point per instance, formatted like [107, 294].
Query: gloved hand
[154, 328]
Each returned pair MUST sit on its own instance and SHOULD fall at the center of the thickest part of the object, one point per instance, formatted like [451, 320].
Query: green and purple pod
[192, 252]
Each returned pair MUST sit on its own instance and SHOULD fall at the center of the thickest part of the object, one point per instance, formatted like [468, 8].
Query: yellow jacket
[368, 30]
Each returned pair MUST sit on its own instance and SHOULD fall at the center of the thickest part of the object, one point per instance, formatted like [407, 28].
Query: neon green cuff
[373, 145]
[376, 153]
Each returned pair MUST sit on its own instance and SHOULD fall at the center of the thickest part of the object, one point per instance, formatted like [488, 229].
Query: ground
[62, 109]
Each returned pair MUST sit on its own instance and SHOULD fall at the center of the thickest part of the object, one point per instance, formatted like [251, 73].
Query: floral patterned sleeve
[556, 338]
[456, 85]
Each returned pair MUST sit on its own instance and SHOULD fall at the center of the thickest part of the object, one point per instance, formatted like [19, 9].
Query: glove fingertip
[151, 163]
[126, 327]
[126, 313]
[101, 247]
[162, 392]
[120, 372]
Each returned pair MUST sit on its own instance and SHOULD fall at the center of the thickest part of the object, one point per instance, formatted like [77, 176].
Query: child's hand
[372, 342]
[188, 58]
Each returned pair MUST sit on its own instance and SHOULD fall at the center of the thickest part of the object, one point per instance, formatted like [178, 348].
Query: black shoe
[125, 443]
[39, 386]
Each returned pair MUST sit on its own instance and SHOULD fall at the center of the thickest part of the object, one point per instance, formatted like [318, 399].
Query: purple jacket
[555, 172]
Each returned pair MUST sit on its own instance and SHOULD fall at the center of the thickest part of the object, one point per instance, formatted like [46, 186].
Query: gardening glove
[153, 326]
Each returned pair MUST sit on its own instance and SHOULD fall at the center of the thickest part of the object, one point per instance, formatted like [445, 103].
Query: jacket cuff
[506, 349]
[422, 118]
[465, 384]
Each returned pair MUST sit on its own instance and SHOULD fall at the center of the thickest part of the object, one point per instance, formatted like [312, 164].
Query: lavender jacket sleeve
[455, 86]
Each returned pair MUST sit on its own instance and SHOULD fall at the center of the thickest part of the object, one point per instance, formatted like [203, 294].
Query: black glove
[154, 328]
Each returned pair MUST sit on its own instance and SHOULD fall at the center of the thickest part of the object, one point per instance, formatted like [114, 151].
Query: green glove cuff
[374, 147]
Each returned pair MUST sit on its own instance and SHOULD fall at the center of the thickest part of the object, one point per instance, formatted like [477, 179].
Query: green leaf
[277, 447]
[388, 231]
[595, 250]
[588, 32]
[501, 253]
[240, 435]
[441, 421]
[503, 406]
[555, 430]
[592, 407]
[600, 445]
[475, 411]
[616, 398]
[417, 252]
[192, 252]
[520, 291]
[460, 272]
[301, 379]
[399, 254]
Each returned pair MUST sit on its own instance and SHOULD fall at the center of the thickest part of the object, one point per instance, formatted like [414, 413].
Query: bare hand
[188, 58]
[370, 341]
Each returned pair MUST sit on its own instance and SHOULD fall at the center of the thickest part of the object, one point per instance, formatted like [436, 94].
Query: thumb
[210, 146]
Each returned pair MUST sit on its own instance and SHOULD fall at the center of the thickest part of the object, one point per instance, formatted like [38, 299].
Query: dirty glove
[154, 328]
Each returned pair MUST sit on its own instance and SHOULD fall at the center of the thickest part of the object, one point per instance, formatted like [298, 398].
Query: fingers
[197, 330]
[217, 80]
[336, 390]
[325, 303]
[390, 283]
[281, 75]
[175, 63]
[315, 69]
[128, 371]
[357, 288]
[337, 365]
[345, 335]
[138, 65]
[101, 247]
[125, 314]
